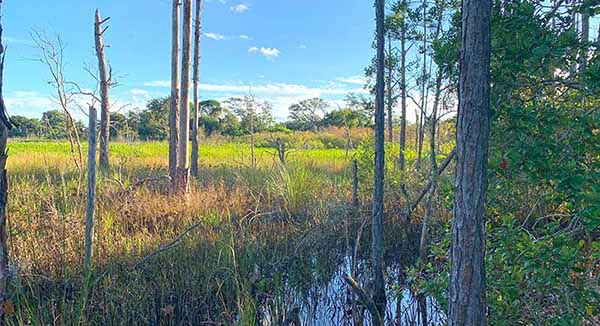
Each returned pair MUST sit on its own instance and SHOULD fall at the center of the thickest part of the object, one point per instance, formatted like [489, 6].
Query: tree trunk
[467, 300]
[389, 104]
[403, 99]
[417, 126]
[91, 194]
[377, 224]
[196, 123]
[184, 113]
[585, 37]
[424, 243]
[252, 131]
[4, 273]
[5, 125]
[252, 145]
[104, 80]
[423, 114]
[174, 101]
[355, 202]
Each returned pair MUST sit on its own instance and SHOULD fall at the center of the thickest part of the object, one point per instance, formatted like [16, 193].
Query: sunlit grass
[243, 214]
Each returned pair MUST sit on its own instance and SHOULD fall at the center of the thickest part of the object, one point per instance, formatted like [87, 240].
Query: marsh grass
[250, 221]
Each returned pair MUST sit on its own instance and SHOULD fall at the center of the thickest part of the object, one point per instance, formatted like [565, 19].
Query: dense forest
[480, 207]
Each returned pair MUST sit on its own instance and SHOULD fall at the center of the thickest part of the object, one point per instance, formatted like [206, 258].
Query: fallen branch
[364, 298]
[169, 246]
[429, 184]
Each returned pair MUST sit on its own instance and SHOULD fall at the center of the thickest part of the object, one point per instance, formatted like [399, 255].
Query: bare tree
[5, 126]
[377, 224]
[105, 76]
[183, 160]
[467, 299]
[52, 55]
[195, 124]
[174, 101]
[91, 198]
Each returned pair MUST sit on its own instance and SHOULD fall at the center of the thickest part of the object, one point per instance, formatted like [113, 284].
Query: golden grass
[243, 213]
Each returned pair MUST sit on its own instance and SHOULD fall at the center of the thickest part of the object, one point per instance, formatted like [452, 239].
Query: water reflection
[332, 303]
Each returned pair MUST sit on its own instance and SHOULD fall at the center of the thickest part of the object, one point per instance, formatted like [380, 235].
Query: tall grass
[241, 216]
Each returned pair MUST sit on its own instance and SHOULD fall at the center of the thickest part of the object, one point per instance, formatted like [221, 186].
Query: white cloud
[355, 80]
[244, 37]
[267, 52]
[215, 36]
[28, 103]
[33, 104]
[302, 46]
[139, 92]
[239, 8]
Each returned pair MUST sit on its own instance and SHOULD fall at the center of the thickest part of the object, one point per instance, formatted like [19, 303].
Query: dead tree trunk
[377, 225]
[467, 300]
[253, 117]
[91, 193]
[196, 123]
[174, 101]
[183, 169]
[389, 94]
[355, 202]
[5, 126]
[104, 78]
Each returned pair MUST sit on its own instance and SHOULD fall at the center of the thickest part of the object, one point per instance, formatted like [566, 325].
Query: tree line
[232, 118]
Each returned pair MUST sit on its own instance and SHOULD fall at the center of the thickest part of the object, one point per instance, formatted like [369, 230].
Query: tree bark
[196, 123]
[5, 125]
[104, 80]
[183, 169]
[423, 113]
[390, 95]
[174, 101]
[585, 37]
[91, 193]
[377, 225]
[467, 299]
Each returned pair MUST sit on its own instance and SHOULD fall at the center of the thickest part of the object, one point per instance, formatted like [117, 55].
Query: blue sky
[287, 50]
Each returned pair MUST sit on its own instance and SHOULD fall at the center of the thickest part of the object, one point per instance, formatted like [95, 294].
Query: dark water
[330, 303]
